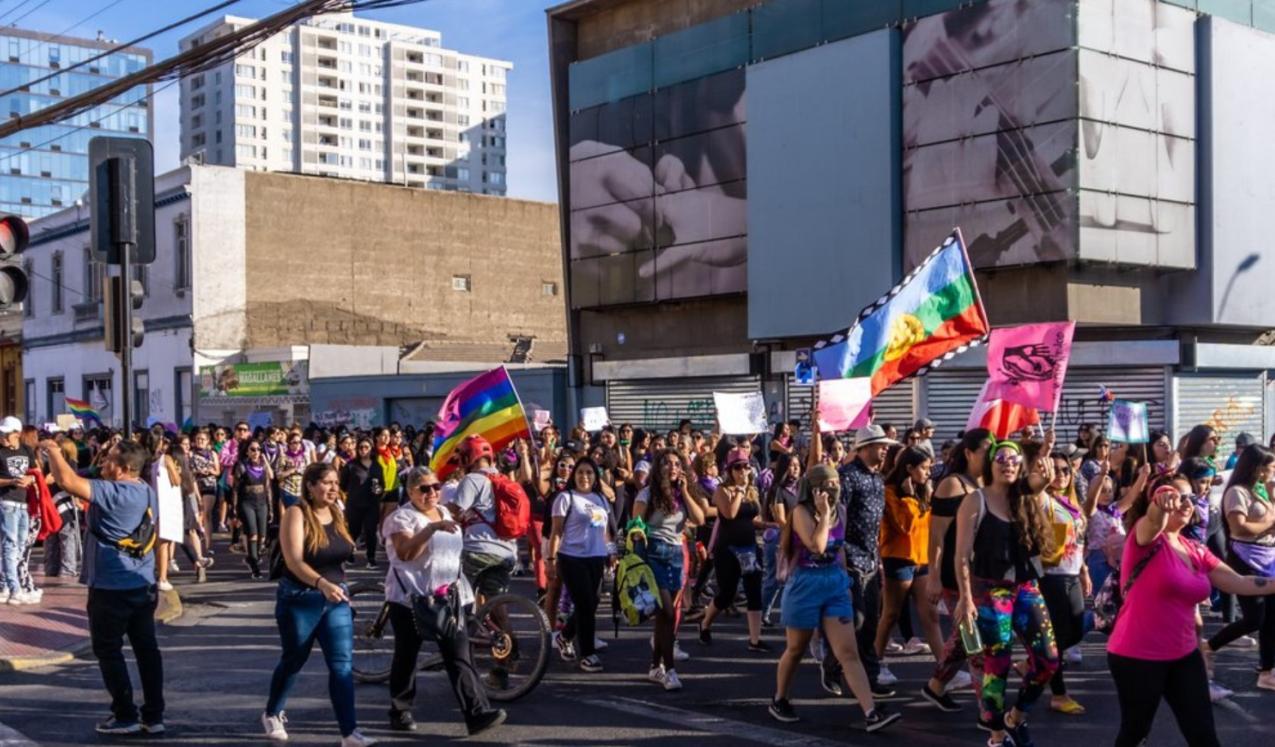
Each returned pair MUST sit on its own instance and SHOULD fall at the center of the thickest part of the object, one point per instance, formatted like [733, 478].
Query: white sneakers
[1074, 655]
[24, 597]
[356, 739]
[599, 644]
[165, 586]
[1218, 693]
[886, 677]
[668, 679]
[656, 675]
[961, 681]
[1244, 641]
[893, 647]
[273, 726]
[678, 653]
[915, 646]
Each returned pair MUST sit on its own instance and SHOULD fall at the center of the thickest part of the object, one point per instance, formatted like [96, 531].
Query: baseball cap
[642, 466]
[1244, 440]
[10, 425]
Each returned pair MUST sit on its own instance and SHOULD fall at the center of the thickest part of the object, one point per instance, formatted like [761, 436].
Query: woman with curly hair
[1002, 531]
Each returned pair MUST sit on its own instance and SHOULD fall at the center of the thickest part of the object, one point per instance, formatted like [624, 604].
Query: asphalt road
[218, 660]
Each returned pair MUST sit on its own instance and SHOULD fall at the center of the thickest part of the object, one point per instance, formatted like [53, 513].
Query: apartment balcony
[328, 102]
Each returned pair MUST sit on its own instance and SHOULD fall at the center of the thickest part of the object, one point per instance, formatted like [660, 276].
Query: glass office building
[44, 169]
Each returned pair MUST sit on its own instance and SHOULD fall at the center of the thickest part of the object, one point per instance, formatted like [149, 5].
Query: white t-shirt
[474, 493]
[584, 532]
[438, 566]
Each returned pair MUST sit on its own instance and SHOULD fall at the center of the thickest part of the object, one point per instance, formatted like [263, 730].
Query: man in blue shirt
[122, 591]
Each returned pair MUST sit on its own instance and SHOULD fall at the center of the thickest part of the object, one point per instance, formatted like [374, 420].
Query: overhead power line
[43, 3]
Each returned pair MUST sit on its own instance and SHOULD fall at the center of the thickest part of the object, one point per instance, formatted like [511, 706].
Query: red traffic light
[14, 235]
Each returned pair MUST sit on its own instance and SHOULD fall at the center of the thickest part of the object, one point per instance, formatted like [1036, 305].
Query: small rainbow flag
[486, 405]
[82, 410]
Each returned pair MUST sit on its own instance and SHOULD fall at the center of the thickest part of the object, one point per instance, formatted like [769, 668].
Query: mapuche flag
[932, 315]
[486, 405]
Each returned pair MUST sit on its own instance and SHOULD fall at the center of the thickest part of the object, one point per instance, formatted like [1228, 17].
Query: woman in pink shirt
[1153, 652]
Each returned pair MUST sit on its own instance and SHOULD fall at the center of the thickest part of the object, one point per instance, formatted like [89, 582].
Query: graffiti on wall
[1230, 415]
[661, 415]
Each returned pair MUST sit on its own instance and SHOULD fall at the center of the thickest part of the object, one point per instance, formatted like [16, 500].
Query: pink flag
[1026, 365]
[844, 404]
[1002, 418]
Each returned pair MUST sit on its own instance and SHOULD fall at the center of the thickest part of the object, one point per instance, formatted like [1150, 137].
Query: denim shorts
[813, 594]
[902, 569]
[666, 561]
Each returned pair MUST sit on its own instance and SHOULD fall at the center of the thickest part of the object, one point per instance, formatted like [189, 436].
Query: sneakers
[882, 690]
[656, 675]
[759, 646]
[1244, 641]
[165, 586]
[781, 710]
[113, 725]
[962, 681]
[591, 664]
[207, 562]
[705, 635]
[829, 679]
[566, 649]
[886, 677]
[273, 726]
[942, 701]
[1217, 693]
[1074, 656]
[893, 648]
[4, 595]
[402, 721]
[356, 739]
[172, 567]
[155, 728]
[679, 654]
[485, 721]
[24, 597]
[599, 644]
[671, 681]
[371, 565]
[1266, 681]
[878, 719]
[915, 646]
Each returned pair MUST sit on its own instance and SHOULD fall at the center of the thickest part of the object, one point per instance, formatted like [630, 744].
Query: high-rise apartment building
[343, 96]
[44, 169]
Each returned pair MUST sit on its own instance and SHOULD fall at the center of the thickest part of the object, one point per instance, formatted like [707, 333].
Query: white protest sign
[171, 515]
[540, 419]
[1127, 422]
[594, 418]
[740, 414]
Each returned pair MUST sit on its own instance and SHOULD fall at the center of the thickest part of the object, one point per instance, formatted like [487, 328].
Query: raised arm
[63, 473]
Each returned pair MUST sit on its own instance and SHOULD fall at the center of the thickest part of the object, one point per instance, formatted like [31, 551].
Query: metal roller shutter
[1231, 403]
[658, 404]
[949, 396]
[894, 405]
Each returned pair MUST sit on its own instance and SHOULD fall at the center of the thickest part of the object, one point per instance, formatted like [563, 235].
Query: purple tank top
[836, 539]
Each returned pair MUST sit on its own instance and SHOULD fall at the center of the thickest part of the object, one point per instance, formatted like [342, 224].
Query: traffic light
[114, 301]
[13, 279]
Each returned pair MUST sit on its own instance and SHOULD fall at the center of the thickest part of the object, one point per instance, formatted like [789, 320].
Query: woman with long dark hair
[578, 554]
[1153, 652]
[734, 551]
[1250, 518]
[253, 487]
[777, 508]
[312, 603]
[1001, 533]
[905, 538]
[1066, 584]
[665, 506]
[964, 476]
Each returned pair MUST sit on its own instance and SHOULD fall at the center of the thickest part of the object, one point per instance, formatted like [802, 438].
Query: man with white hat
[863, 493]
[15, 460]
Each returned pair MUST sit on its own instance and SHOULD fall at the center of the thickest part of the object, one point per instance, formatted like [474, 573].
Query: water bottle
[970, 638]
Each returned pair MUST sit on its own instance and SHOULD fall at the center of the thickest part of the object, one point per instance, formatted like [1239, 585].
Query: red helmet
[474, 448]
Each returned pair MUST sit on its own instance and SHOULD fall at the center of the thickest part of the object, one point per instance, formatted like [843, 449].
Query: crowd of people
[839, 539]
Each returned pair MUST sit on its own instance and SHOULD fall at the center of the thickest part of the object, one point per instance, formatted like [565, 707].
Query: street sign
[122, 199]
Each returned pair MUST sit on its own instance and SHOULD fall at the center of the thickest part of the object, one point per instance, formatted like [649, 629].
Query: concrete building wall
[344, 262]
[219, 271]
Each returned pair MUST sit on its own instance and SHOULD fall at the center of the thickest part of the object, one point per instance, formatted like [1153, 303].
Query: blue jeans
[1098, 569]
[14, 525]
[304, 615]
[771, 587]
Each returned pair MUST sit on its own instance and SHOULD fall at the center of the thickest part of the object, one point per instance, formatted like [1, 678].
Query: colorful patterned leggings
[1006, 609]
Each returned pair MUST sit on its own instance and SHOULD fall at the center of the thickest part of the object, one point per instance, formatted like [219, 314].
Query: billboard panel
[983, 35]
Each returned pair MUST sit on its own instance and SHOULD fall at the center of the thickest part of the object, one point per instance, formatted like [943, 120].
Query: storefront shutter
[659, 404]
[1231, 403]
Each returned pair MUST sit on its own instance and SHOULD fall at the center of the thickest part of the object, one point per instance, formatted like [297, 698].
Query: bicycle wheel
[509, 639]
[373, 634]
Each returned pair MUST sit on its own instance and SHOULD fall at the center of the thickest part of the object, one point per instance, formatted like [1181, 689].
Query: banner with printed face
[1127, 422]
[1027, 364]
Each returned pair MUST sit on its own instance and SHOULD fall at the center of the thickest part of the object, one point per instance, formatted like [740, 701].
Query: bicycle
[514, 656]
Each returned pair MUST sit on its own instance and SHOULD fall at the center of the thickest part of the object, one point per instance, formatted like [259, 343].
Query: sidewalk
[57, 629]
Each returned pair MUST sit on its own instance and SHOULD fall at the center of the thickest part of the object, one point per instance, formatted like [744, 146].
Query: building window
[183, 384]
[56, 396]
[92, 276]
[462, 283]
[141, 396]
[28, 400]
[181, 251]
[28, 305]
[56, 280]
[549, 288]
[98, 393]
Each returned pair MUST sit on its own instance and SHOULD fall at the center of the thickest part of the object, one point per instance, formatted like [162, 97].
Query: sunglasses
[1063, 470]
[241, 430]
[1009, 460]
[741, 465]
[254, 451]
[430, 488]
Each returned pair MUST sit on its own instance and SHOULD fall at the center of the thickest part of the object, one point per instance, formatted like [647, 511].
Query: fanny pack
[747, 557]
[1261, 558]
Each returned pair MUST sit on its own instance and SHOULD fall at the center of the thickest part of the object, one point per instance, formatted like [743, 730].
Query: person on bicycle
[486, 560]
[424, 547]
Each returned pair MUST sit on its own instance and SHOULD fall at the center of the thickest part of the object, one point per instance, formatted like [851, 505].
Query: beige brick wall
[343, 262]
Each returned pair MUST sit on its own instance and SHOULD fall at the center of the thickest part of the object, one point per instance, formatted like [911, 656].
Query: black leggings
[1066, 607]
[363, 517]
[253, 515]
[1182, 683]
[729, 575]
[583, 579]
[1259, 617]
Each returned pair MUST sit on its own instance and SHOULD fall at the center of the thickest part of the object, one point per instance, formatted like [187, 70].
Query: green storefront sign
[274, 378]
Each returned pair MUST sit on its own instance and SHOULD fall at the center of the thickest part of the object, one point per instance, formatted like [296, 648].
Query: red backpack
[513, 508]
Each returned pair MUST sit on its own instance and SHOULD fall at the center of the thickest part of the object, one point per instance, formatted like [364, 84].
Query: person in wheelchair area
[424, 546]
[487, 560]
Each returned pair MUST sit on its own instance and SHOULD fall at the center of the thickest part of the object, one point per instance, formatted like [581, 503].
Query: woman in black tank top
[1002, 532]
[736, 556]
[312, 603]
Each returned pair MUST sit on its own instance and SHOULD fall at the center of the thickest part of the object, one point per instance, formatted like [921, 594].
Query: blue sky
[506, 29]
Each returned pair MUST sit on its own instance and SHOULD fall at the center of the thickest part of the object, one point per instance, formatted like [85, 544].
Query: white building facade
[348, 97]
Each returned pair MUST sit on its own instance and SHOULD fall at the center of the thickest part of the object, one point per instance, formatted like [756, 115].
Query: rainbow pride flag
[932, 315]
[82, 410]
[486, 405]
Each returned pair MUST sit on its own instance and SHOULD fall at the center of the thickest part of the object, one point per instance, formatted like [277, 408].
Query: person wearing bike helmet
[486, 560]
[424, 548]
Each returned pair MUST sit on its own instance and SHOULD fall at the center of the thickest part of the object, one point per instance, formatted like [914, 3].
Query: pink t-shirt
[1157, 620]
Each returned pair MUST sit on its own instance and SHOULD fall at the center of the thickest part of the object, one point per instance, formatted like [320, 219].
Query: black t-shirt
[360, 482]
[14, 464]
